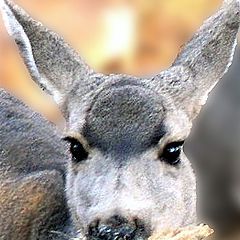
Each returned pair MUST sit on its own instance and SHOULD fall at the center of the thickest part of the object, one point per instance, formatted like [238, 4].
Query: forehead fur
[125, 116]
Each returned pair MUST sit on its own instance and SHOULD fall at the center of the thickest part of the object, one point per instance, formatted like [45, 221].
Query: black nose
[115, 228]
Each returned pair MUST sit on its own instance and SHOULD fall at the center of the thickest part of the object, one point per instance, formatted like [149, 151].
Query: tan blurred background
[138, 37]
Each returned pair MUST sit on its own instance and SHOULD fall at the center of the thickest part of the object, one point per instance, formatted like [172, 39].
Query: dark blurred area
[214, 147]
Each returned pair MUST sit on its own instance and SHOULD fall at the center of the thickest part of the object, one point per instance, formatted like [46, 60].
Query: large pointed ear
[203, 60]
[51, 62]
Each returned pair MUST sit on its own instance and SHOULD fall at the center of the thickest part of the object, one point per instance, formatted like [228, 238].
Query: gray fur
[125, 123]
[32, 166]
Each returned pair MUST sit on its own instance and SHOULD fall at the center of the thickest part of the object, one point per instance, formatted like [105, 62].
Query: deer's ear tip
[231, 2]
[233, 7]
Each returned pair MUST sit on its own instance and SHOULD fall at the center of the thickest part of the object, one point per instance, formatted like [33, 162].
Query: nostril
[120, 233]
[139, 224]
[105, 232]
[142, 232]
[126, 233]
[93, 228]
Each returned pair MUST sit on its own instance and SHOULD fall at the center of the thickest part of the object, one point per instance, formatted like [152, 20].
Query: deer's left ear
[203, 60]
[52, 63]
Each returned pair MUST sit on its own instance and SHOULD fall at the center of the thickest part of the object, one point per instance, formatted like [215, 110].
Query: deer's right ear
[203, 60]
[208, 55]
[51, 62]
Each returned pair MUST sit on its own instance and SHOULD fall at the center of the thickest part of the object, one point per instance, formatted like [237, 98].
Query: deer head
[128, 176]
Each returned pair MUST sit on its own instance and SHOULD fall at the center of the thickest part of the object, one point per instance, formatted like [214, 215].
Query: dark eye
[77, 150]
[172, 152]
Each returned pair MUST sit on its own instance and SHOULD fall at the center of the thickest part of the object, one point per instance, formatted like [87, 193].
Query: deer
[127, 175]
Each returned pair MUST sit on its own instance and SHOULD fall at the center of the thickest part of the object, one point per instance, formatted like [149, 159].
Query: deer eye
[171, 152]
[77, 150]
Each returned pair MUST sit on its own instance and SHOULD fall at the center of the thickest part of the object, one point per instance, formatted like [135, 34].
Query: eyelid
[71, 137]
[166, 141]
[174, 144]
[179, 143]
[68, 139]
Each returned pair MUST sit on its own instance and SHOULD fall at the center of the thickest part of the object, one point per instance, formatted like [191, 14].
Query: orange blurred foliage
[137, 37]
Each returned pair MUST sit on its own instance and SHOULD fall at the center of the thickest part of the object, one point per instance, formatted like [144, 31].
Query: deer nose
[115, 228]
[120, 233]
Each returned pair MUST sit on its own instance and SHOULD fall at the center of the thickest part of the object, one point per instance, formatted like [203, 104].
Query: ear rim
[16, 34]
[224, 8]
[81, 71]
[188, 90]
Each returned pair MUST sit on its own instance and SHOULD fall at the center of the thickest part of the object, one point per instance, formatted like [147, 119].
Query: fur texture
[127, 128]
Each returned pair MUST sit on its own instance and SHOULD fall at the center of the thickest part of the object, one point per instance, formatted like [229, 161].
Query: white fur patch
[16, 31]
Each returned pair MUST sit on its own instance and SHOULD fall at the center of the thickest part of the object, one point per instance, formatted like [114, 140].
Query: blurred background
[138, 37]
